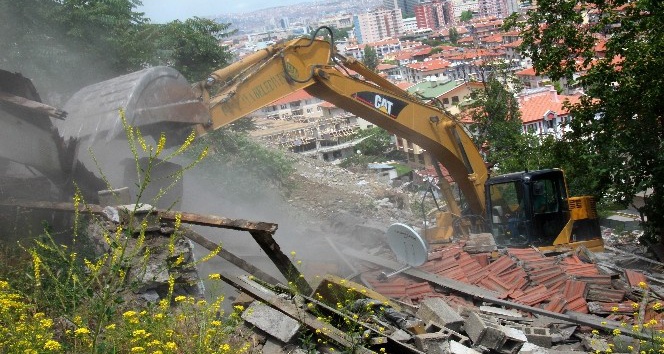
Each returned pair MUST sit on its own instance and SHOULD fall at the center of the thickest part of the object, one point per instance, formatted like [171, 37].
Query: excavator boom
[311, 65]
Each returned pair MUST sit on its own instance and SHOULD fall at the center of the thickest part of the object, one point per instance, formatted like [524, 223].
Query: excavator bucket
[154, 100]
[158, 97]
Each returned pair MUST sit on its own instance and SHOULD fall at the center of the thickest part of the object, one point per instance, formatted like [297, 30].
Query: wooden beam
[32, 105]
[218, 221]
[283, 263]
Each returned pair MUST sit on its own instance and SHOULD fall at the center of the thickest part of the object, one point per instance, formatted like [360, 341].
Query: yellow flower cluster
[22, 331]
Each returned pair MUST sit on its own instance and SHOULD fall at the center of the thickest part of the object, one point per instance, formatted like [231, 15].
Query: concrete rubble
[467, 298]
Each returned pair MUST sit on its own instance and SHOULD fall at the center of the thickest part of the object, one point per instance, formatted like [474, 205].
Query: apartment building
[406, 6]
[460, 6]
[433, 14]
[374, 26]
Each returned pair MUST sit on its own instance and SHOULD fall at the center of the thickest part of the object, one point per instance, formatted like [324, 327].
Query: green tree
[454, 35]
[377, 142]
[466, 16]
[192, 46]
[70, 43]
[370, 57]
[617, 128]
[497, 126]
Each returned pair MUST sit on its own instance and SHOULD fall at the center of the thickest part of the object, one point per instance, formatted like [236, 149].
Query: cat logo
[388, 105]
[383, 104]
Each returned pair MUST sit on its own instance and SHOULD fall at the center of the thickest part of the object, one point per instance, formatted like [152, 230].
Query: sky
[161, 11]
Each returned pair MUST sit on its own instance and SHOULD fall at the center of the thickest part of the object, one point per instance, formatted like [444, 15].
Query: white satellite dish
[407, 245]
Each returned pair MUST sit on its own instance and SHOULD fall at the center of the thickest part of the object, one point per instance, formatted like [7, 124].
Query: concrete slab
[271, 321]
[431, 343]
[436, 310]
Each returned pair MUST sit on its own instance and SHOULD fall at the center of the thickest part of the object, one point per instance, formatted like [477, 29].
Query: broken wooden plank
[283, 263]
[218, 221]
[320, 328]
[32, 105]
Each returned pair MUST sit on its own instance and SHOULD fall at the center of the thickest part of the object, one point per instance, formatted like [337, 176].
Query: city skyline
[161, 11]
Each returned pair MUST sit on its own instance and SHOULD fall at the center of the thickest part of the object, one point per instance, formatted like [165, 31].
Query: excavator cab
[527, 208]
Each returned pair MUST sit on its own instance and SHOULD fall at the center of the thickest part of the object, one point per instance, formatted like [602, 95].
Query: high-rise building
[378, 24]
[493, 8]
[464, 5]
[407, 7]
[433, 14]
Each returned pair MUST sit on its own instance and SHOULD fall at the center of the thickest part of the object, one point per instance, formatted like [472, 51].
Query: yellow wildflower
[293, 253]
[46, 323]
[635, 305]
[614, 309]
[171, 346]
[52, 345]
[595, 332]
[180, 298]
[643, 285]
[616, 332]
[225, 348]
[111, 327]
[137, 350]
[82, 331]
[214, 276]
[161, 144]
[216, 323]
[238, 308]
[657, 306]
[129, 314]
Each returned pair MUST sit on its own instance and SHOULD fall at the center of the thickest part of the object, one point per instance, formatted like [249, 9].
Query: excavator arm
[308, 64]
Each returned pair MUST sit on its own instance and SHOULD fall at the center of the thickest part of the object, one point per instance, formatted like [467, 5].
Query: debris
[271, 321]
[438, 311]
[431, 342]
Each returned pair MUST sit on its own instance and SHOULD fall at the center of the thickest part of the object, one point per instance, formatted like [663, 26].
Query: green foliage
[236, 151]
[193, 48]
[64, 45]
[466, 16]
[71, 43]
[432, 42]
[618, 125]
[497, 125]
[454, 35]
[370, 58]
[377, 146]
[401, 169]
[377, 143]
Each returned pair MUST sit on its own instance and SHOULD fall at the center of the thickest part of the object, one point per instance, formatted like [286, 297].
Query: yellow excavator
[530, 208]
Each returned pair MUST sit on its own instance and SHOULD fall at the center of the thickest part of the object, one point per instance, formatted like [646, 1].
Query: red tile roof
[430, 65]
[381, 67]
[530, 71]
[534, 107]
